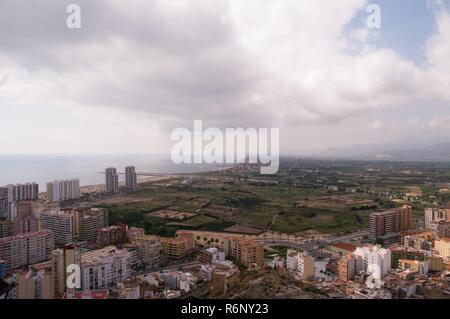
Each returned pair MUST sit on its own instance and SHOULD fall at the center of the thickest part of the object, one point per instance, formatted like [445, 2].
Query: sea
[89, 169]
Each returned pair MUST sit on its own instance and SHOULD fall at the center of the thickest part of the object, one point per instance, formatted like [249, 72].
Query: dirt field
[119, 200]
[414, 191]
[218, 211]
[322, 219]
[242, 229]
[335, 202]
[172, 214]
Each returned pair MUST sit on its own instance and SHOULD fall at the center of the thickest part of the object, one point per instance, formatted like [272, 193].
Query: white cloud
[360, 34]
[162, 63]
[376, 125]
[440, 122]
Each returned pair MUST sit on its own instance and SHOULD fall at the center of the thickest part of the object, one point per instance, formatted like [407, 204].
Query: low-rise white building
[300, 262]
[377, 260]
[106, 268]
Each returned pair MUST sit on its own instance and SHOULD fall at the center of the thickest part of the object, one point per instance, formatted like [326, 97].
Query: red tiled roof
[345, 246]
[97, 294]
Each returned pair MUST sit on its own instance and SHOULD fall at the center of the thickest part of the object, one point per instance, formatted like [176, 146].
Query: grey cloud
[171, 63]
[177, 62]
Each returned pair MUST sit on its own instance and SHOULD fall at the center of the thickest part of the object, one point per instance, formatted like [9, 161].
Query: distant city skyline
[311, 68]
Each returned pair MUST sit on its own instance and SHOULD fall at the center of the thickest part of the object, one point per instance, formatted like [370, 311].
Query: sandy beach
[141, 180]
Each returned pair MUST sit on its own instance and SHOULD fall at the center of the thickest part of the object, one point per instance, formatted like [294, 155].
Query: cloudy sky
[139, 68]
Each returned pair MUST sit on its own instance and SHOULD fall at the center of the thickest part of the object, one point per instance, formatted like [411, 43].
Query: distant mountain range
[393, 152]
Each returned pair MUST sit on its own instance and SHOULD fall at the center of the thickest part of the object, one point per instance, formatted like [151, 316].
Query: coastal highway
[350, 236]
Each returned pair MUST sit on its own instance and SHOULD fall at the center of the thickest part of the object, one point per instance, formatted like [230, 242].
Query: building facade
[442, 247]
[103, 268]
[210, 255]
[300, 262]
[434, 214]
[5, 228]
[420, 267]
[61, 223]
[4, 203]
[26, 249]
[2, 269]
[387, 225]
[63, 190]
[62, 258]
[133, 233]
[349, 266]
[87, 222]
[24, 219]
[441, 227]
[178, 247]
[112, 235]
[20, 192]
[247, 251]
[376, 260]
[130, 178]
[149, 250]
[36, 282]
[112, 180]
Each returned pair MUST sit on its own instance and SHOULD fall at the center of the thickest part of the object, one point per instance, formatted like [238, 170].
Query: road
[348, 236]
[171, 267]
[295, 245]
[311, 245]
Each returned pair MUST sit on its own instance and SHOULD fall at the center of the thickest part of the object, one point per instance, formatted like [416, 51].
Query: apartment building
[133, 233]
[63, 190]
[5, 228]
[300, 262]
[434, 214]
[388, 224]
[61, 259]
[2, 269]
[246, 251]
[112, 235]
[130, 178]
[36, 282]
[376, 260]
[26, 249]
[441, 227]
[210, 255]
[442, 247]
[398, 252]
[20, 192]
[178, 247]
[111, 181]
[219, 282]
[149, 250]
[420, 267]
[349, 266]
[404, 252]
[4, 203]
[102, 268]
[24, 220]
[384, 225]
[88, 221]
[404, 218]
[61, 223]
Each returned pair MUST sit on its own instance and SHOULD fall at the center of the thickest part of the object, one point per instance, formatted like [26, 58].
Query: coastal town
[215, 235]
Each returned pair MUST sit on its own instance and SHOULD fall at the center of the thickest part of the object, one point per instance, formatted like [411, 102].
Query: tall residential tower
[59, 191]
[112, 180]
[130, 178]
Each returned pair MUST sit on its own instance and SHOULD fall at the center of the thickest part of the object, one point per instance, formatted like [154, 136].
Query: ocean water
[88, 169]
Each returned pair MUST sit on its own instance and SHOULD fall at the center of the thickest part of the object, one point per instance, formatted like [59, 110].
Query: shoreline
[101, 187]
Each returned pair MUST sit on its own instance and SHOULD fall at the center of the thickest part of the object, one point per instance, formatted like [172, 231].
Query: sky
[138, 69]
